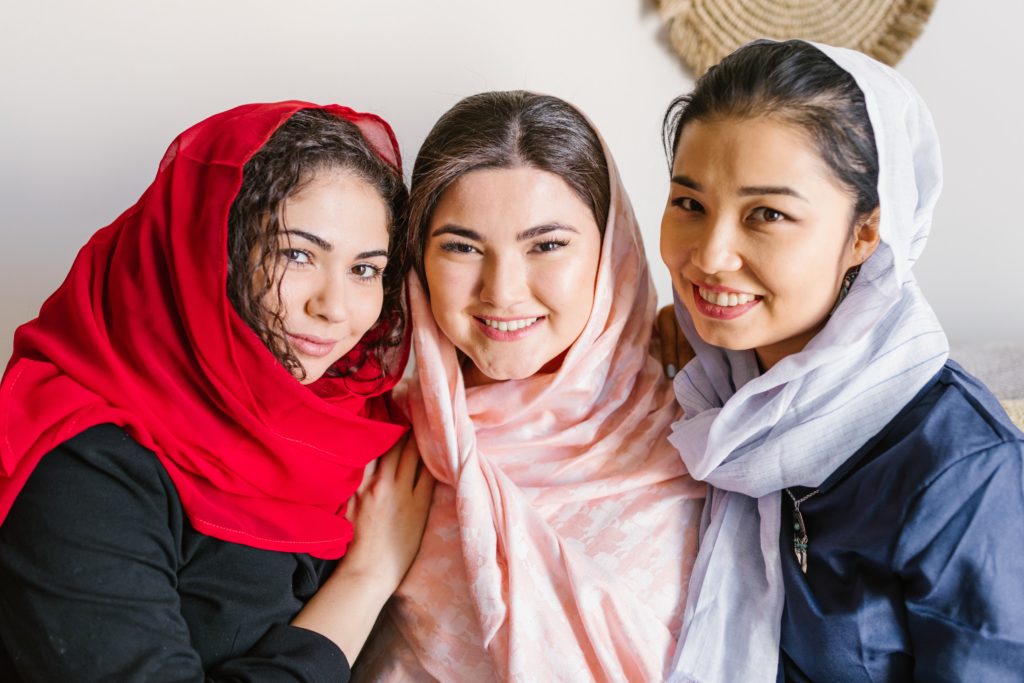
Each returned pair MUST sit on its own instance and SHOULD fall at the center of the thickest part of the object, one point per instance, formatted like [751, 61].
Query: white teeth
[725, 299]
[509, 325]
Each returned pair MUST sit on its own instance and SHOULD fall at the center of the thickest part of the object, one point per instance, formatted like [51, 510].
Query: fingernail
[670, 371]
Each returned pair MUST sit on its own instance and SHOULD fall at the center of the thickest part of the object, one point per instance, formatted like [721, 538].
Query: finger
[424, 488]
[350, 508]
[388, 463]
[368, 473]
[668, 332]
[684, 352]
[408, 462]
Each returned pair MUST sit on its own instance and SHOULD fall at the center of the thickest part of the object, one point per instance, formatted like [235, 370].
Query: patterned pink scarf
[564, 525]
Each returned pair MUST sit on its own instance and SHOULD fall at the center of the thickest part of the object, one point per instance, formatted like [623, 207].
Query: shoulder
[953, 430]
[106, 450]
[960, 535]
[101, 472]
[955, 392]
[953, 458]
[953, 422]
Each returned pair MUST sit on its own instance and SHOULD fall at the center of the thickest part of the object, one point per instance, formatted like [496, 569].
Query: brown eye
[688, 204]
[458, 247]
[763, 213]
[367, 271]
[550, 245]
[299, 256]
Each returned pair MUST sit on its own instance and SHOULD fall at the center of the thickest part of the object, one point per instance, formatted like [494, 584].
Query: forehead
[736, 152]
[500, 200]
[339, 207]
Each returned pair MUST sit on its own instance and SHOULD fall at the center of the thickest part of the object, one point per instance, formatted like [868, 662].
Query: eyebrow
[458, 231]
[770, 189]
[748, 191]
[687, 181]
[529, 234]
[327, 246]
[539, 230]
[318, 241]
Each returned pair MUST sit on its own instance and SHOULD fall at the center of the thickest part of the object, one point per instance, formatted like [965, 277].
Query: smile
[723, 305]
[508, 325]
[725, 299]
[508, 330]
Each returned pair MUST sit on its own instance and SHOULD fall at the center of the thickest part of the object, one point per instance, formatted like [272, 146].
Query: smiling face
[511, 261]
[757, 235]
[333, 250]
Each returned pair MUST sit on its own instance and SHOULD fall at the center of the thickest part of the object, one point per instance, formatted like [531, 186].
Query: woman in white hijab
[866, 508]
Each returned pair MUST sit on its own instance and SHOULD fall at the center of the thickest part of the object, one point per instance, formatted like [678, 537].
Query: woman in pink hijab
[564, 526]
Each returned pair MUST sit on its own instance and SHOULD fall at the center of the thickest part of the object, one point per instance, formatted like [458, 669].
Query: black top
[102, 578]
[915, 551]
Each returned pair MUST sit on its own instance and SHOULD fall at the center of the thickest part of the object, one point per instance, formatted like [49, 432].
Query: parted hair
[506, 129]
[800, 85]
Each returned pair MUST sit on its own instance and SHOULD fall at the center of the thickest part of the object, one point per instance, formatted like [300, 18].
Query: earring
[844, 289]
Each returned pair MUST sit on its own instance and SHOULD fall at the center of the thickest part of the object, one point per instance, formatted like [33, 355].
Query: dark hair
[797, 83]
[311, 141]
[506, 130]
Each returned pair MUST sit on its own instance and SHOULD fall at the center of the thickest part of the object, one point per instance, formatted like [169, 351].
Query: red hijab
[142, 335]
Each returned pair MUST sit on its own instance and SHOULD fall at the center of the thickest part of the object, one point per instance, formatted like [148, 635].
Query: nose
[715, 248]
[328, 299]
[505, 281]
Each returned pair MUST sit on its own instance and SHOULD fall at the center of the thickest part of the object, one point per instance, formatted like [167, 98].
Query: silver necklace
[800, 530]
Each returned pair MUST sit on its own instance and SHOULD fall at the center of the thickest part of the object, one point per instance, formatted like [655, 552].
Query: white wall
[93, 91]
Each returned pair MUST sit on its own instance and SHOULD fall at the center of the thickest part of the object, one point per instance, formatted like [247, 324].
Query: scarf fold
[563, 526]
[750, 435]
[141, 334]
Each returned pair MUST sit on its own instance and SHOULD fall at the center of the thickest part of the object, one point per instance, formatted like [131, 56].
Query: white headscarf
[751, 435]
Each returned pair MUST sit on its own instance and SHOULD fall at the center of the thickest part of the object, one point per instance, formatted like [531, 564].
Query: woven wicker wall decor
[705, 31]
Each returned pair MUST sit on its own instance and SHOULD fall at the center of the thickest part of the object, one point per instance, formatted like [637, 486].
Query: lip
[710, 310]
[508, 335]
[308, 345]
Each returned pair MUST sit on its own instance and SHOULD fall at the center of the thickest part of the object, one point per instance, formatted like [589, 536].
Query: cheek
[673, 249]
[292, 297]
[675, 254]
[450, 285]
[367, 302]
[568, 287]
[803, 273]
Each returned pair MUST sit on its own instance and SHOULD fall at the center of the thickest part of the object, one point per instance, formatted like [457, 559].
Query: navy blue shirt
[916, 550]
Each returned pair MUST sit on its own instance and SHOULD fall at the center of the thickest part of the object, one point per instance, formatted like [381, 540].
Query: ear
[865, 236]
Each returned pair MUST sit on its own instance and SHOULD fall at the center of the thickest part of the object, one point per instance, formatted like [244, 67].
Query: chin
[505, 373]
[312, 376]
[316, 372]
[725, 340]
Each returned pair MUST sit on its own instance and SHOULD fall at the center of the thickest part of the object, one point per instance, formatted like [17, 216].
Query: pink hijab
[564, 525]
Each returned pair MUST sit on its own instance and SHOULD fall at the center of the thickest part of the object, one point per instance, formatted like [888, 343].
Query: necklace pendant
[800, 541]
[800, 549]
[800, 530]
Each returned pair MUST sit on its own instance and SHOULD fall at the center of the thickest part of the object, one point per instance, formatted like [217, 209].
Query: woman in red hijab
[183, 425]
